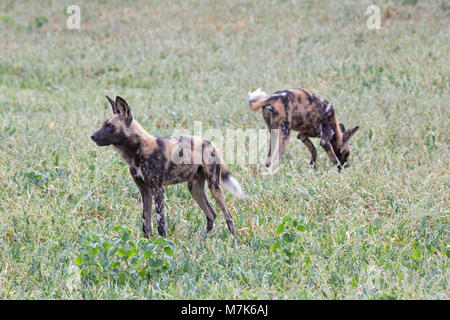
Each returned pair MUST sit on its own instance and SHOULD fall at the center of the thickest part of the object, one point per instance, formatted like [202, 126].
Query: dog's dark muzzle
[94, 137]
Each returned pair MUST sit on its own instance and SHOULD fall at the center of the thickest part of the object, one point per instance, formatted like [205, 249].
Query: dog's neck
[137, 142]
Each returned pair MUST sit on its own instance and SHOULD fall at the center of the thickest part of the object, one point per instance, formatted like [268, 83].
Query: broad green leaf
[149, 247]
[288, 237]
[286, 219]
[279, 229]
[106, 263]
[168, 251]
[156, 263]
[147, 254]
[143, 272]
[94, 251]
[79, 260]
[417, 255]
[275, 246]
[121, 252]
[125, 235]
[106, 245]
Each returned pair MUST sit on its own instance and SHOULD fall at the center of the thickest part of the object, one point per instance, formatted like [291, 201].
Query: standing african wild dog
[158, 161]
[302, 111]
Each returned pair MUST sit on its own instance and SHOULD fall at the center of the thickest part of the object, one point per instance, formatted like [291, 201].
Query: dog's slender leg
[273, 133]
[279, 140]
[269, 151]
[158, 193]
[146, 197]
[325, 136]
[285, 132]
[214, 185]
[326, 144]
[218, 196]
[197, 190]
[310, 147]
[279, 130]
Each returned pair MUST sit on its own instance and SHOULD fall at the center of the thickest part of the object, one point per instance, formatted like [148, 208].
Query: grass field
[70, 214]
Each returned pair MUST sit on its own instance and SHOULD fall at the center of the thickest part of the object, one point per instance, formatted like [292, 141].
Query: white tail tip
[234, 187]
[257, 95]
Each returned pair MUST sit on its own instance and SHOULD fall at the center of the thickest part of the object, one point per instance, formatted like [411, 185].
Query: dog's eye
[109, 127]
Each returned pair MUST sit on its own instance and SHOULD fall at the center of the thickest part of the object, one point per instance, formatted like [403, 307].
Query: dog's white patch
[328, 107]
[138, 173]
[257, 95]
[282, 94]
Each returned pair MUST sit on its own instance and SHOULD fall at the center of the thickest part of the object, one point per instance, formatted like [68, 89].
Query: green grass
[377, 230]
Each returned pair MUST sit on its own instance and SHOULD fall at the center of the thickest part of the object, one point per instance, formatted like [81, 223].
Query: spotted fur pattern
[158, 161]
[300, 110]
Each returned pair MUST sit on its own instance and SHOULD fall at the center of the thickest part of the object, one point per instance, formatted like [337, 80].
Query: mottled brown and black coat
[158, 161]
[300, 110]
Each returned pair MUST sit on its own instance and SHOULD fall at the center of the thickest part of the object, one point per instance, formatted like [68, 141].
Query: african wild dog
[158, 161]
[302, 111]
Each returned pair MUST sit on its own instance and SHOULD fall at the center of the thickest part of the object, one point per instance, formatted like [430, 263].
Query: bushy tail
[230, 183]
[256, 99]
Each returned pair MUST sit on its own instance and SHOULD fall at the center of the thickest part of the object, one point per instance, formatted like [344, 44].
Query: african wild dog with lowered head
[158, 161]
[302, 111]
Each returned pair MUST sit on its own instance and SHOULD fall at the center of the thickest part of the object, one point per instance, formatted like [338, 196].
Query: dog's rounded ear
[124, 110]
[348, 134]
[113, 105]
